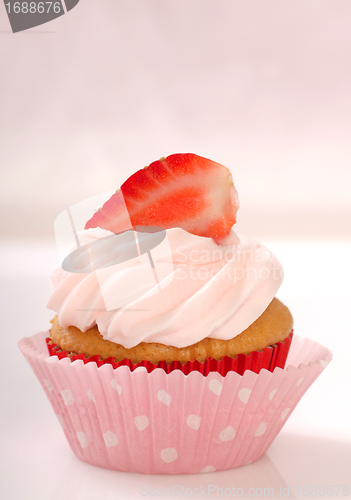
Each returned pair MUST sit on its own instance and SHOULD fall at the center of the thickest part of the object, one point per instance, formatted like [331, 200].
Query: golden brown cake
[273, 326]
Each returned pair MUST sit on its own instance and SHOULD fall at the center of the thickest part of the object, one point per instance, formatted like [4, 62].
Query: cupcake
[168, 347]
[190, 294]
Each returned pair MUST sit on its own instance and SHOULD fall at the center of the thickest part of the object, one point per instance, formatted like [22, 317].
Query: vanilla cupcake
[167, 350]
[190, 291]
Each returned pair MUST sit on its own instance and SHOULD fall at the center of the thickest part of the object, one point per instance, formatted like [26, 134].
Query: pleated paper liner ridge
[268, 358]
[159, 423]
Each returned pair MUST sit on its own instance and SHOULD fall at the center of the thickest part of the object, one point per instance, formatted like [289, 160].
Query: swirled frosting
[185, 289]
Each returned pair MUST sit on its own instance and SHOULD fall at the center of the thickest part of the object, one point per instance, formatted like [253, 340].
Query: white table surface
[312, 452]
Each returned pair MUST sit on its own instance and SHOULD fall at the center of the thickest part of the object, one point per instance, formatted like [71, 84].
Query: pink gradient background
[262, 87]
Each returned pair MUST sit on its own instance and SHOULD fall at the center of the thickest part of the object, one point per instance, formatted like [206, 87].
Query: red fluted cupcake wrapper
[269, 358]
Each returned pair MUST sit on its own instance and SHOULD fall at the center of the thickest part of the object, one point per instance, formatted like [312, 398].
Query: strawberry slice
[182, 190]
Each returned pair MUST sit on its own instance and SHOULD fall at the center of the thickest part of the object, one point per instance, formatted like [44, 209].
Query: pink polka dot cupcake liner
[268, 358]
[172, 423]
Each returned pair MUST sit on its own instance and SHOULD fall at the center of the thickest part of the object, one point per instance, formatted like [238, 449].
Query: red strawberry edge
[183, 190]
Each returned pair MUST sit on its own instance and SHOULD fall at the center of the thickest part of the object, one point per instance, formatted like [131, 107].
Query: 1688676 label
[27, 14]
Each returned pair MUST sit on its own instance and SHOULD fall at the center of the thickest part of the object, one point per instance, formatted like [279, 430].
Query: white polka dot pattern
[48, 384]
[208, 468]
[62, 422]
[272, 394]
[159, 423]
[83, 440]
[244, 394]
[216, 387]
[227, 434]
[91, 395]
[116, 386]
[110, 439]
[141, 422]
[164, 397]
[284, 413]
[261, 429]
[193, 421]
[67, 397]
[169, 455]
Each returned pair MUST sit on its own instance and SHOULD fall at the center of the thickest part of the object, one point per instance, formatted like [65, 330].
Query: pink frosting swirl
[196, 289]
